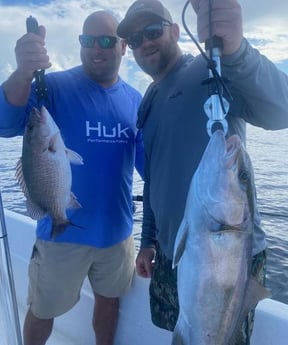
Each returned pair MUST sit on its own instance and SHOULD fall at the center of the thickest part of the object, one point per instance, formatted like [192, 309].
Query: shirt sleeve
[140, 155]
[12, 118]
[258, 87]
[148, 235]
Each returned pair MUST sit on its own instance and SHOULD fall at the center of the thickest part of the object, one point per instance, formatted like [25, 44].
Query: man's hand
[226, 22]
[31, 54]
[144, 262]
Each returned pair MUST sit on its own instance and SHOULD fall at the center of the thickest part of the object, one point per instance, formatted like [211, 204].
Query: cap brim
[126, 26]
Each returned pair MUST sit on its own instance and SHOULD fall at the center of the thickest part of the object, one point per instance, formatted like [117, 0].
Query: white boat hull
[135, 327]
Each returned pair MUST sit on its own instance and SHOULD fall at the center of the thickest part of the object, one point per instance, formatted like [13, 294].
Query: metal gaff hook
[216, 107]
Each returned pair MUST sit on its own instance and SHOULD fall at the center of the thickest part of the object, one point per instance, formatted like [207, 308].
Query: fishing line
[189, 33]
[219, 81]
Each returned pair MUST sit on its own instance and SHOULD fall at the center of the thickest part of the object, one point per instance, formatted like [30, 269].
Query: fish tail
[177, 339]
[59, 228]
[180, 338]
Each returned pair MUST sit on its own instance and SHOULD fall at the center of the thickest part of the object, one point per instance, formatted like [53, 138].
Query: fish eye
[244, 175]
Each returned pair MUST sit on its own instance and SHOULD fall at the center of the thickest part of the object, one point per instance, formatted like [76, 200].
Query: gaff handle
[32, 25]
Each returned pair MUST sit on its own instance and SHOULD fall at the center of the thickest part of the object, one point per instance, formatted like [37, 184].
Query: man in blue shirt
[96, 112]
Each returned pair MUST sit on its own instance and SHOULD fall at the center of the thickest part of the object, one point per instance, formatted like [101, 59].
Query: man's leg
[110, 277]
[105, 319]
[164, 304]
[259, 272]
[36, 331]
[56, 274]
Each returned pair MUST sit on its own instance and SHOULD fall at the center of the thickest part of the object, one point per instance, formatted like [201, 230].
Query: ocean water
[269, 153]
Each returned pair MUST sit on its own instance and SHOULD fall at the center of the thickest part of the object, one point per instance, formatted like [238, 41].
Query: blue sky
[265, 26]
[24, 2]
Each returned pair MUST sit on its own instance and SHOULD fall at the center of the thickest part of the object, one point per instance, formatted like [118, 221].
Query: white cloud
[269, 41]
[263, 10]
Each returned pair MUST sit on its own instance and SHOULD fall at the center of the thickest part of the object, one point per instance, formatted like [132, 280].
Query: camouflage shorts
[164, 298]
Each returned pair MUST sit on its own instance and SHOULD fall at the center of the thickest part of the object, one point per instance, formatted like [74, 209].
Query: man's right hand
[144, 262]
[31, 54]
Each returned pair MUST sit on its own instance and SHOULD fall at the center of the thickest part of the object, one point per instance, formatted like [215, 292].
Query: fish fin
[181, 333]
[180, 243]
[59, 228]
[177, 338]
[20, 178]
[255, 293]
[74, 157]
[73, 202]
[53, 141]
[33, 210]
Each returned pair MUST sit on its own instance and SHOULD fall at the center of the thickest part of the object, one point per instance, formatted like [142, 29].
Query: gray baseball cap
[139, 9]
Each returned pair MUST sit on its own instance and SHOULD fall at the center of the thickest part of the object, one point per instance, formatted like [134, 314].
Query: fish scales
[48, 179]
[44, 171]
[213, 247]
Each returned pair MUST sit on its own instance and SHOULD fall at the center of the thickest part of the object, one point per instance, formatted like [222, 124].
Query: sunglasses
[151, 32]
[104, 42]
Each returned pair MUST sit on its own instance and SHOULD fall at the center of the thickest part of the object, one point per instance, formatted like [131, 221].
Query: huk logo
[100, 132]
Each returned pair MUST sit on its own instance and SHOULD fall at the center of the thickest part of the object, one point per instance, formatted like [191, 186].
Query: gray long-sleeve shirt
[175, 135]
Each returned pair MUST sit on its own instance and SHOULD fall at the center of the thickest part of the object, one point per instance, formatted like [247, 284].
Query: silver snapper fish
[213, 247]
[44, 171]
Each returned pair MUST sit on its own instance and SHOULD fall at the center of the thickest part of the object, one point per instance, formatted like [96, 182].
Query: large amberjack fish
[213, 247]
[44, 171]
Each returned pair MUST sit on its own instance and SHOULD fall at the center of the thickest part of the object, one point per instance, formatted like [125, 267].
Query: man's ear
[176, 31]
[124, 46]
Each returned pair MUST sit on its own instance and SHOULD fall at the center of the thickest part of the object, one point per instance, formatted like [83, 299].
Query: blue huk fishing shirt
[100, 125]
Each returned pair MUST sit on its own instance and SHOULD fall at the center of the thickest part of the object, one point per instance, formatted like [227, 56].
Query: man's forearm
[148, 235]
[17, 89]
[262, 87]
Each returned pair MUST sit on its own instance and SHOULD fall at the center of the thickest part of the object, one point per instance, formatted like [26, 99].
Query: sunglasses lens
[104, 42]
[135, 40]
[151, 32]
[87, 41]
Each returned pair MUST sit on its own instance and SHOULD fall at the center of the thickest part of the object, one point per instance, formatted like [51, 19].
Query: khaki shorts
[57, 272]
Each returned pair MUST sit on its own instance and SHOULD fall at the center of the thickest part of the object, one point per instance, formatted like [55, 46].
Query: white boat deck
[135, 327]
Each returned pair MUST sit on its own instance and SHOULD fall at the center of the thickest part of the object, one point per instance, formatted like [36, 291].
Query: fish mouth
[35, 119]
[37, 115]
[228, 145]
